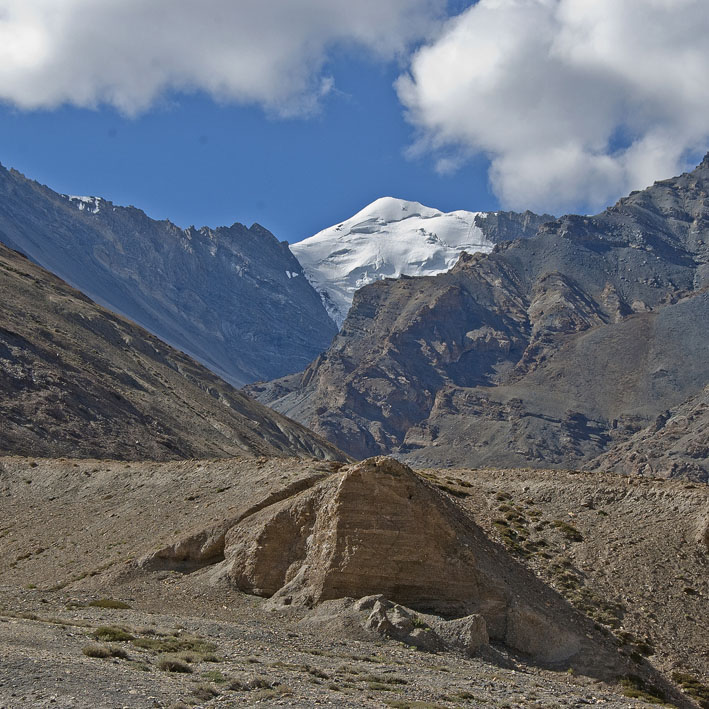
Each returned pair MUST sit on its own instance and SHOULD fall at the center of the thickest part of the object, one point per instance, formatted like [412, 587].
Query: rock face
[382, 617]
[234, 298]
[549, 351]
[78, 380]
[374, 528]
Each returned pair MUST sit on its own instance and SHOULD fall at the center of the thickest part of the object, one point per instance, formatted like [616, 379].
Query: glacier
[389, 238]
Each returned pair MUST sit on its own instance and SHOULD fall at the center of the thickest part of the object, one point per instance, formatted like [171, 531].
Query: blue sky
[196, 161]
[297, 113]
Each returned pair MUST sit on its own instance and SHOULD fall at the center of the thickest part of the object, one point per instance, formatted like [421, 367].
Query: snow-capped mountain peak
[388, 238]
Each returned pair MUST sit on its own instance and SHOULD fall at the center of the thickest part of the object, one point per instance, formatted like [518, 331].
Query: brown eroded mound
[376, 527]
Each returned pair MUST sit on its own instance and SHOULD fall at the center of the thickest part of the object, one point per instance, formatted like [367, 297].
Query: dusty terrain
[630, 554]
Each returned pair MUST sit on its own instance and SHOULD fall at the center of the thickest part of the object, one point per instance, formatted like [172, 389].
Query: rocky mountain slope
[677, 442]
[393, 237]
[234, 298]
[547, 351]
[78, 380]
[98, 552]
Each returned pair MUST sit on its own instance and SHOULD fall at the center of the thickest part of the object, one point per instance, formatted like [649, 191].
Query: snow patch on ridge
[387, 239]
[90, 204]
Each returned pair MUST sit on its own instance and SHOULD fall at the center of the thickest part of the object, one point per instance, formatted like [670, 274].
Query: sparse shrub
[641, 646]
[108, 603]
[315, 672]
[419, 622]
[250, 685]
[568, 530]
[112, 633]
[635, 688]
[173, 664]
[104, 651]
[173, 644]
[263, 694]
[381, 687]
[211, 657]
[215, 676]
[693, 687]
[98, 651]
[383, 679]
[204, 692]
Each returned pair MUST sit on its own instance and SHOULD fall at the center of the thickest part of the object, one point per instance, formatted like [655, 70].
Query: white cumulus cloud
[129, 53]
[575, 102]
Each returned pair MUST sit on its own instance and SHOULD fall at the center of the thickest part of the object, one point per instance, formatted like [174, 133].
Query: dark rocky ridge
[233, 298]
[77, 380]
[550, 351]
[508, 226]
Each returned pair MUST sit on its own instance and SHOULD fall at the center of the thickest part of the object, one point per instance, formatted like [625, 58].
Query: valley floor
[630, 553]
[261, 658]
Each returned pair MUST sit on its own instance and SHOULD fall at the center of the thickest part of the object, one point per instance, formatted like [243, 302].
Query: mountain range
[234, 298]
[570, 342]
[391, 238]
[137, 484]
[567, 349]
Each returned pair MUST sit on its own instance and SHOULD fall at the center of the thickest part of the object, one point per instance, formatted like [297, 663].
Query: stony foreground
[94, 610]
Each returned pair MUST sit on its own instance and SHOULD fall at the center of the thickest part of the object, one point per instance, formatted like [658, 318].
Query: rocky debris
[263, 659]
[703, 532]
[551, 350]
[676, 444]
[78, 380]
[396, 622]
[234, 298]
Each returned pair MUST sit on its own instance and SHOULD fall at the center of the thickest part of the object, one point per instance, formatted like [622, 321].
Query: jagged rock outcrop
[77, 380]
[550, 351]
[234, 298]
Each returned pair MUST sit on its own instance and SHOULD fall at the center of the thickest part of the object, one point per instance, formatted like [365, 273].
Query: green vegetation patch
[383, 679]
[104, 651]
[635, 687]
[202, 650]
[112, 633]
[170, 663]
[108, 603]
[568, 530]
[693, 688]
